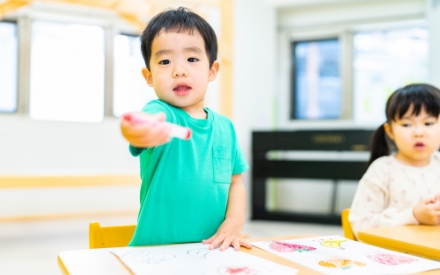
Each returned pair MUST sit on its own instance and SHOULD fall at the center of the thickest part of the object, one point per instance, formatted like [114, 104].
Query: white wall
[349, 12]
[254, 72]
[433, 15]
[29, 147]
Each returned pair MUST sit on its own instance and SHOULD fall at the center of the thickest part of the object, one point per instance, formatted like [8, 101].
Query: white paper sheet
[196, 259]
[338, 255]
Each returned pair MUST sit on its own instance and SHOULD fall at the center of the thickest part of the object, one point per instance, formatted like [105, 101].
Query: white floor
[32, 247]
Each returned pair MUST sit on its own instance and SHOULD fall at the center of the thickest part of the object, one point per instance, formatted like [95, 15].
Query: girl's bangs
[417, 96]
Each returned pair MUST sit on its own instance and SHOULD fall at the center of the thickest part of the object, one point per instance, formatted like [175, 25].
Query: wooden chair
[110, 236]
[346, 226]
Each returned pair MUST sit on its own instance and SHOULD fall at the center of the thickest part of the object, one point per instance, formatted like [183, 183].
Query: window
[8, 67]
[317, 85]
[383, 62]
[131, 91]
[67, 72]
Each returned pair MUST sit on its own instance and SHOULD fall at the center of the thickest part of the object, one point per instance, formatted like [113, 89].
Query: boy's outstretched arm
[229, 232]
[145, 135]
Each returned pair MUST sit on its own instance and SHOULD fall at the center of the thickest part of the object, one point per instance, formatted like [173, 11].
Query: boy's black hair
[178, 20]
[418, 96]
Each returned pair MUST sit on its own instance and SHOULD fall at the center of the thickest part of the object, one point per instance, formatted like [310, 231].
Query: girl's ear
[388, 130]
[214, 70]
[147, 75]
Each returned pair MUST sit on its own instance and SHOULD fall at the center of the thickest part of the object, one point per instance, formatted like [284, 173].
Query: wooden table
[420, 240]
[102, 262]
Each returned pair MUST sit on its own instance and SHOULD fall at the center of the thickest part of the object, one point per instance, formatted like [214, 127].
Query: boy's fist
[148, 134]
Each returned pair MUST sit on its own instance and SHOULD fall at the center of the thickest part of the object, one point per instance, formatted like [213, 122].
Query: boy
[192, 190]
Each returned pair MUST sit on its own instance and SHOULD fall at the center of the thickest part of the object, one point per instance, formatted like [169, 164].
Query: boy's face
[179, 70]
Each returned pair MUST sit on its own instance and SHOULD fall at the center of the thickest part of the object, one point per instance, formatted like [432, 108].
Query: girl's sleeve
[370, 204]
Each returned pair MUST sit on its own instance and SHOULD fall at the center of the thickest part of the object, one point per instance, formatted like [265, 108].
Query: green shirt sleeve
[239, 164]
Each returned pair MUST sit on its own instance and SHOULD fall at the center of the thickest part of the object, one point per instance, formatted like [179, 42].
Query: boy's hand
[427, 212]
[145, 135]
[228, 234]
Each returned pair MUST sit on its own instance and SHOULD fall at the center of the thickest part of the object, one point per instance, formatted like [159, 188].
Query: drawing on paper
[391, 259]
[340, 263]
[333, 244]
[180, 272]
[151, 257]
[199, 252]
[290, 247]
[241, 270]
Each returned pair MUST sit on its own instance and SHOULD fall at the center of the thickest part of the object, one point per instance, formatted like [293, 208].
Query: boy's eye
[406, 124]
[164, 62]
[192, 59]
[429, 123]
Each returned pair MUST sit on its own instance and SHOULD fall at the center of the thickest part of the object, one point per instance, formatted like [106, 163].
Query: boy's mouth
[182, 90]
[419, 146]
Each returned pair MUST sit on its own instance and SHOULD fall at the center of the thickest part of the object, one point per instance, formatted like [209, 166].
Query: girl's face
[416, 137]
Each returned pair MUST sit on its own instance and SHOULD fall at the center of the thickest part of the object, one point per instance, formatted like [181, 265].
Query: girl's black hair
[178, 20]
[419, 96]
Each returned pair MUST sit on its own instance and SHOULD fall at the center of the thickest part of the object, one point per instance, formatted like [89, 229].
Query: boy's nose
[179, 72]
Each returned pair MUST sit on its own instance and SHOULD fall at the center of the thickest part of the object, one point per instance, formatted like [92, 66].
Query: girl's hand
[228, 234]
[427, 212]
[145, 135]
[437, 198]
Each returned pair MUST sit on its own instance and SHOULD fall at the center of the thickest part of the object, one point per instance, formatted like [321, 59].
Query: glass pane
[67, 72]
[8, 67]
[317, 82]
[383, 62]
[131, 91]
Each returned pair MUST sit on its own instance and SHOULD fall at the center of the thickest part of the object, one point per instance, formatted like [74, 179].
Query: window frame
[24, 21]
[17, 80]
[293, 90]
[345, 34]
[283, 111]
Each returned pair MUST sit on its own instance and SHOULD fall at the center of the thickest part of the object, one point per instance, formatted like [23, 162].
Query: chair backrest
[110, 236]
[346, 226]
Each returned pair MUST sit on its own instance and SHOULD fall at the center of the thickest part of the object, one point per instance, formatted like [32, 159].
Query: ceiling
[137, 12]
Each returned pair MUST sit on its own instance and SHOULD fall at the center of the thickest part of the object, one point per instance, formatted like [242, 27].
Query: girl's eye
[430, 123]
[406, 124]
[164, 62]
[192, 59]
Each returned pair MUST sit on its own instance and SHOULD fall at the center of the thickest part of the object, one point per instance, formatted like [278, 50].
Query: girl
[403, 188]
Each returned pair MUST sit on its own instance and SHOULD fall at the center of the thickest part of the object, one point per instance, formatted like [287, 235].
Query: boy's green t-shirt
[185, 183]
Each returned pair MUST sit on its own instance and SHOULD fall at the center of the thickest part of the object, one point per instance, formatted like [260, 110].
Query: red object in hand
[176, 130]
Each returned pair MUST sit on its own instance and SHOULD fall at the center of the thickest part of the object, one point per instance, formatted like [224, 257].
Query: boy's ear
[214, 70]
[147, 75]
[388, 131]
